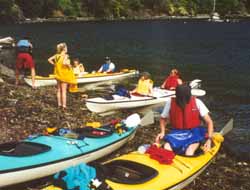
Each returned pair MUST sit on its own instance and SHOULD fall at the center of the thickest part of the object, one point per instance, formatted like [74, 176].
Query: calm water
[217, 53]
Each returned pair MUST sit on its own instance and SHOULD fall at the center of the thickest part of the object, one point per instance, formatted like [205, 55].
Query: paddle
[135, 120]
[228, 127]
[194, 83]
[148, 119]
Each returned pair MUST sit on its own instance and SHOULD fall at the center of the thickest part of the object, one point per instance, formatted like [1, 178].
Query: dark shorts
[24, 61]
[179, 140]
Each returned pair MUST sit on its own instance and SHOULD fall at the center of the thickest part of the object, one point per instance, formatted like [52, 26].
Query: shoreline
[202, 17]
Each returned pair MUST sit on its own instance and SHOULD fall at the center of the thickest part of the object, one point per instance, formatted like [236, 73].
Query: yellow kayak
[137, 171]
[84, 79]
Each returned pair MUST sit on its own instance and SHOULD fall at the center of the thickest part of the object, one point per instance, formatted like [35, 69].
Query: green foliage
[8, 10]
[109, 9]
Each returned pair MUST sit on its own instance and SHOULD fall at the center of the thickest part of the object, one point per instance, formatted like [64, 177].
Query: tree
[9, 12]
[31, 8]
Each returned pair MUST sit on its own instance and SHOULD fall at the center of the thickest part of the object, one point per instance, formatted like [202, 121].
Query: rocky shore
[24, 111]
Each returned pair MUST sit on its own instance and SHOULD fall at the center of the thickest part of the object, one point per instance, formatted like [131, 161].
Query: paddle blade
[227, 128]
[133, 120]
[198, 92]
[195, 83]
[148, 119]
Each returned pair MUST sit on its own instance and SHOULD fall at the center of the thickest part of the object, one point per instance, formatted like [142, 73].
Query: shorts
[179, 139]
[24, 61]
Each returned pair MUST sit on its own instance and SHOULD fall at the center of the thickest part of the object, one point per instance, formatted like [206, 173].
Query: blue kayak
[42, 155]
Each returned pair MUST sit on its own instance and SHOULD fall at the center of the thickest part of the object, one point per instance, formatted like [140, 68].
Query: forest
[19, 10]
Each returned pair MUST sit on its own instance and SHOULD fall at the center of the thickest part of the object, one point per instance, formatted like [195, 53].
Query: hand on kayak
[207, 145]
[159, 137]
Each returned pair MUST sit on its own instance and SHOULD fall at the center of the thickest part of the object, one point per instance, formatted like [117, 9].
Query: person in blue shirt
[24, 46]
[107, 67]
[24, 59]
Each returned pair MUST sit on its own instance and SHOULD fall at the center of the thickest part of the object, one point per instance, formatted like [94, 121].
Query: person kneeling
[184, 113]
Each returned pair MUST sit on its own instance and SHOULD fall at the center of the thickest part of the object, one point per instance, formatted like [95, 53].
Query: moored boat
[100, 105]
[41, 155]
[84, 79]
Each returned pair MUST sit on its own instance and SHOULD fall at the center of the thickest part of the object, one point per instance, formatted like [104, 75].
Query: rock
[1, 80]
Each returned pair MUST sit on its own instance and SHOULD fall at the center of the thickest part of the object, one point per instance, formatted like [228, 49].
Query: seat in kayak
[128, 172]
[20, 149]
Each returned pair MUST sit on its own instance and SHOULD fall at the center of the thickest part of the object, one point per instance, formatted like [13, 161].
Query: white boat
[215, 17]
[7, 42]
[101, 105]
[86, 78]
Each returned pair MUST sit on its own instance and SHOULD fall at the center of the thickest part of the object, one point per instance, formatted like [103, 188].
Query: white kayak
[100, 105]
[86, 78]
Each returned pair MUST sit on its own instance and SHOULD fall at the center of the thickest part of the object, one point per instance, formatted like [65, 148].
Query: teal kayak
[42, 155]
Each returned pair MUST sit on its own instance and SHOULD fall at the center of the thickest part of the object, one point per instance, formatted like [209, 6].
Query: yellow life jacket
[65, 73]
[144, 86]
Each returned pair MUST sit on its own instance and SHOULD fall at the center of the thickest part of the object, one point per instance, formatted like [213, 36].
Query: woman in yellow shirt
[145, 86]
[63, 73]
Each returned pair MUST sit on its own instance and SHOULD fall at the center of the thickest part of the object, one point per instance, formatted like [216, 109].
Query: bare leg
[64, 94]
[191, 149]
[17, 76]
[33, 74]
[167, 146]
[58, 93]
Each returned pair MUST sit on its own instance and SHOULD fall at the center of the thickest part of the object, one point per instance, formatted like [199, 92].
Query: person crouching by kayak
[24, 59]
[184, 113]
[63, 73]
[144, 86]
[172, 81]
[107, 67]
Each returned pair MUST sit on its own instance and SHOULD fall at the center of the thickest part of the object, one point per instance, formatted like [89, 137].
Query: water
[217, 53]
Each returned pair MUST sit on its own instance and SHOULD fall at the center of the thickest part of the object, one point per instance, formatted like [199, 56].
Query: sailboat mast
[214, 6]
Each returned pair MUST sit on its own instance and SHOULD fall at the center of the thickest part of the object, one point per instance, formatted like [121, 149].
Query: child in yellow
[145, 86]
[63, 74]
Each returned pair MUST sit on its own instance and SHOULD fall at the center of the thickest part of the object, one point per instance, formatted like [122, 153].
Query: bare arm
[210, 126]
[51, 60]
[163, 123]
[179, 81]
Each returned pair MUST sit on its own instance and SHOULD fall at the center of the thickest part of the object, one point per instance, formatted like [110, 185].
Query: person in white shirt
[184, 113]
[107, 67]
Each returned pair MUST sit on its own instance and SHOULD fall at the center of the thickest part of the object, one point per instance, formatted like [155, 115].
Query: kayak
[177, 175]
[137, 171]
[84, 79]
[100, 105]
[42, 155]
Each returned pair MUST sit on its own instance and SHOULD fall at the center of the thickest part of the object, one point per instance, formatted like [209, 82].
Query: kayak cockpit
[127, 172]
[19, 149]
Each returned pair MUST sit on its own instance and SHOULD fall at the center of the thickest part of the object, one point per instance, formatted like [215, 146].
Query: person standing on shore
[25, 60]
[172, 81]
[63, 73]
[184, 113]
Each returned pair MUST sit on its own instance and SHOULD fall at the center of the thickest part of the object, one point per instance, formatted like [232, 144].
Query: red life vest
[187, 119]
[170, 82]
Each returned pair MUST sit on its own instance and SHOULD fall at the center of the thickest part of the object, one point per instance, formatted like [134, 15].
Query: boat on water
[215, 17]
[101, 105]
[42, 155]
[84, 79]
[138, 170]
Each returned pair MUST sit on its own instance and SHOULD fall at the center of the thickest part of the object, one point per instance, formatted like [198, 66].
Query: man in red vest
[184, 113]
